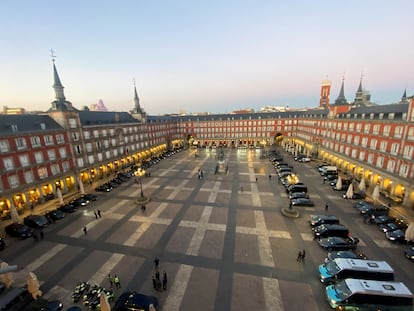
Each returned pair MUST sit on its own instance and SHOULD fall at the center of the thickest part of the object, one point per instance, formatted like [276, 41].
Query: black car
[317, 220]
[336, 243]
[2, 244]
[375, 210]
[104, 188]
[356, 196]
[297, 195]
[361, 204]
[391, 226]
[90, 197]
[36, 221]
[79, 202]
[380, 220]
[134, 301]
[19, 231]
[56, 214]
[397, 236]
[302, 202]
[345, 254]
[68, 208]
[409, 253]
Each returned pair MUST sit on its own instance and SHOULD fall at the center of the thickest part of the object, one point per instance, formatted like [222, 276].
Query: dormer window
[14, 128]
[42, 126]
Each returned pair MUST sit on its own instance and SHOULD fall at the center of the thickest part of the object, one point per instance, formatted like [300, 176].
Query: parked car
[56, 214]
[135, 301]
[90, 197]
[302, 202]
[391, 226]
[19, 231]
[409, 253]
[297, 195]
[104, 188]
[336, 243]
[360, 204]
[79, 202]
[380, 219]
[375, 210]
[68, 208]
[317, 220]
[397, 236]
[356, 195]
[36, 221]
[305, 159]
[345, 254]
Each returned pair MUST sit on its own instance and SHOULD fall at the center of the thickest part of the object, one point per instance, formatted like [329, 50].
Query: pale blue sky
[214, 56]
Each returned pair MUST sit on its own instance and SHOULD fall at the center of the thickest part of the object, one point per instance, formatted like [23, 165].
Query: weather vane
[52, 55]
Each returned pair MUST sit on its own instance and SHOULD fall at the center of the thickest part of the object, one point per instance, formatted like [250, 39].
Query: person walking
[99, 213]
[164, 280]
[154, 282]
[110, 280]
[326, 206]
[41, 234]
[85, 231]
[117, 282]
[303, 255]
[96, 215]
[299, 257]
[157, 275]
[156, 262]
[270, 176]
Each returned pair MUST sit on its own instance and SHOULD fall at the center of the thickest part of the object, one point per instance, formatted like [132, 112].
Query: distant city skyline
[215, 56]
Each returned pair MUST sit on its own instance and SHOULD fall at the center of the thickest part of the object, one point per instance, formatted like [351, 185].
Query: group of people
[115, 281]
[98, 214]
[156, 279]
[200, 174]
[301, 256]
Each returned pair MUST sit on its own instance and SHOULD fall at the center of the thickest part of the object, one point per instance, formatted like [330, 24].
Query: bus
[366, 295]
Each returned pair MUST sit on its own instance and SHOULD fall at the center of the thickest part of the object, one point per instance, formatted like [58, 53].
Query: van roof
[388, 288]
[363, 265]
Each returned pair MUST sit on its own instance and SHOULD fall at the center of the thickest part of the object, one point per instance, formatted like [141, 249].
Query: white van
[344, 268]
[329, 170]
[354, 294]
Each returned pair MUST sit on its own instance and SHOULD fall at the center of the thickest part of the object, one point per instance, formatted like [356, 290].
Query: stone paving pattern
[223, 247]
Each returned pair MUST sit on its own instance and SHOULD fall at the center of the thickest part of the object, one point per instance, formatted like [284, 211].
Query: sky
[204, 56]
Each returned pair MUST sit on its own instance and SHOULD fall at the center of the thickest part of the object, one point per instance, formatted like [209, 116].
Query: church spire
[137, 107]
[341, 100]
[404, 97]
[60, 103]
[137, 112]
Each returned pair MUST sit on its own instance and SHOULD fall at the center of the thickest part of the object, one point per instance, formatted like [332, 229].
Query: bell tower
[325, 93]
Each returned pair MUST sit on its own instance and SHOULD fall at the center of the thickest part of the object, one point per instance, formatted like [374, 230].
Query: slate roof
[105, 117]
[397, 109]
[26, 123]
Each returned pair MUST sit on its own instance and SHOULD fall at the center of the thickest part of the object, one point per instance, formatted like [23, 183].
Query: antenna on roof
[52, 55]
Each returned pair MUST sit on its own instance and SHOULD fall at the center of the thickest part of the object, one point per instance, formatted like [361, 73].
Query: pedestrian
[85, 230]
[164, 280]
[326, 206]
[35, 236]
[299, 257]
[157, 275]
[143, 208]
[117, 282]
[154, 282]
[270, 176]
[41, 234]
[158, 285]
[110, 280]
[256, 179]
[96, 215]
[31, 206]
[156, 262]
[303, 255]
[99, 213]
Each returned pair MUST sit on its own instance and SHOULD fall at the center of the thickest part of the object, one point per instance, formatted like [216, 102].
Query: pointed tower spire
[60, 103]
[341, 100]
[138, 113]
[137, 107]
[404, 97]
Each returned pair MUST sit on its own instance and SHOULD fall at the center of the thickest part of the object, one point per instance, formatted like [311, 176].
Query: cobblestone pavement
[221, 239]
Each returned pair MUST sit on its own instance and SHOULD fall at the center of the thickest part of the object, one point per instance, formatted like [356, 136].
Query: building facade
[65, 148]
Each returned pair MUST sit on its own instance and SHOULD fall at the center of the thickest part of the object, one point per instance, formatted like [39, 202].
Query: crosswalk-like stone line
[273, 298]
[137, 234]
[265, 249]
[45, 257]
[270, 233]
[104, 270]
[115, 207]
[177, 291]
[199, 233]
[213, 194]
[157, 212]
[178, 189]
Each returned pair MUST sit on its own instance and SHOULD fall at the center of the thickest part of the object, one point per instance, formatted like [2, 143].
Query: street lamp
[142, 199]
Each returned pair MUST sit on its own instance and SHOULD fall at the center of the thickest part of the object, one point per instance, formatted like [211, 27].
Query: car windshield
[332, 267]
[342, 290]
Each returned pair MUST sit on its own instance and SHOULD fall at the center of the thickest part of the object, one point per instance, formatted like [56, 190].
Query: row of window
[42, 172]
[39, 157]
[35, 142]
